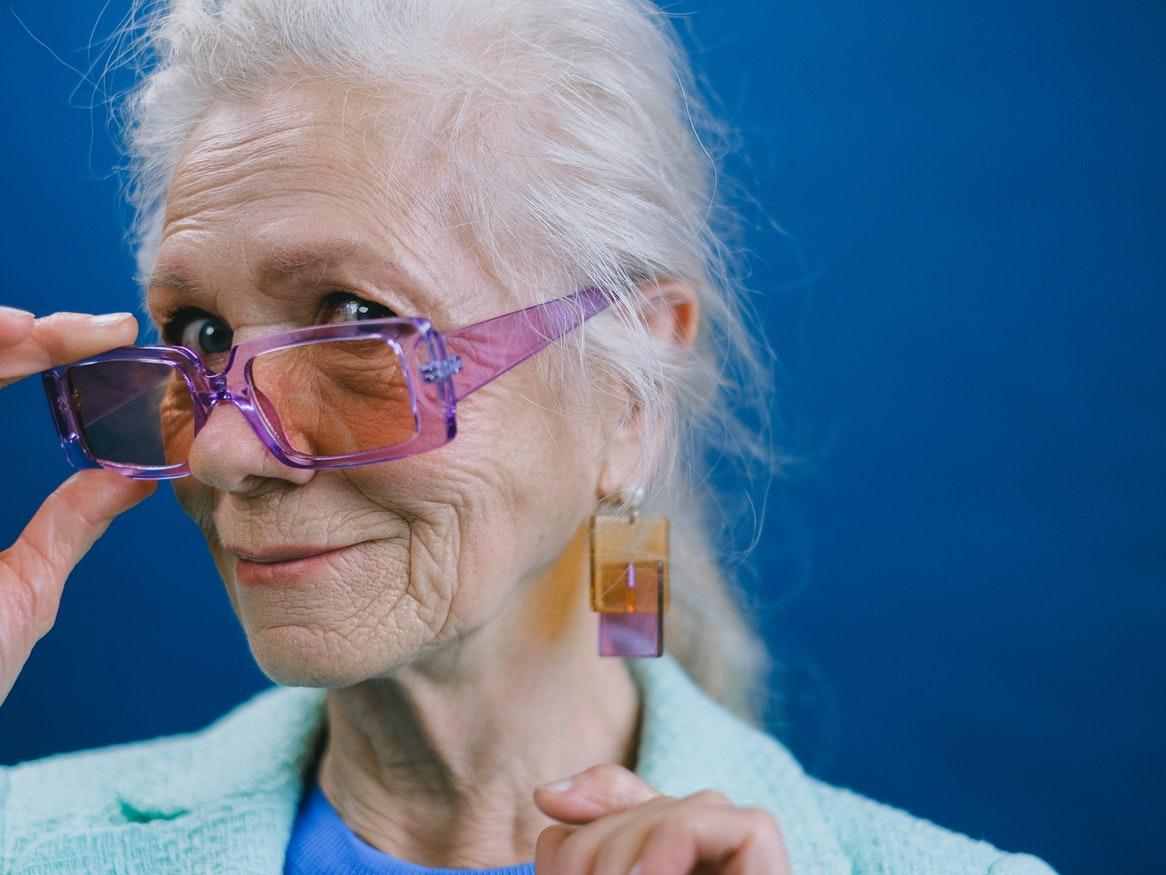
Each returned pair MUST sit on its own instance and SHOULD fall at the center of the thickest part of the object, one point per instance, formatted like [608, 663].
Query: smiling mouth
[288, 564]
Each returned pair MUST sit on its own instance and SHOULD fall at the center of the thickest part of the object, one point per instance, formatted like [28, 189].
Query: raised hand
[614, 822]
[33, 570]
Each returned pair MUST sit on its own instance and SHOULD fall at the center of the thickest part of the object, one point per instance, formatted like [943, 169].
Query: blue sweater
[224, 799]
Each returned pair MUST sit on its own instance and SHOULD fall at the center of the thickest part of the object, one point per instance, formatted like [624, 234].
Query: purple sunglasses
[326, 396]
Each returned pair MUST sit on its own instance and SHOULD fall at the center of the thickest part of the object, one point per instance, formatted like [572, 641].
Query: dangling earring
[629, 578]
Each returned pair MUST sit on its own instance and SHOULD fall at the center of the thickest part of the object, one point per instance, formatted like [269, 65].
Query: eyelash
[175, 321]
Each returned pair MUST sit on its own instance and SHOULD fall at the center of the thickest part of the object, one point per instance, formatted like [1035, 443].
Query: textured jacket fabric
[223, 799]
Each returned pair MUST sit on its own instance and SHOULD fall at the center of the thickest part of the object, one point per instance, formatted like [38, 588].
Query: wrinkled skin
[456, 543]
[451, 626]
[462, 613]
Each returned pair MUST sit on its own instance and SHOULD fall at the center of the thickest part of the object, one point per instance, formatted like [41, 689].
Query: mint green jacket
[223, 799]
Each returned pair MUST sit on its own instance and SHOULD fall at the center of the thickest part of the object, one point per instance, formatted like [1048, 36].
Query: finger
[615, 851]
[59, 535]
[546, 849]
[611, 844]
[599, 790]
[712, 796]
[738, 841]
[65, 337]
[15, 325]
[608, 845]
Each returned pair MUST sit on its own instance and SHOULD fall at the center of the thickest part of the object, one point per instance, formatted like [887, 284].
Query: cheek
[462, 527]
[492, 507]
[537, 468]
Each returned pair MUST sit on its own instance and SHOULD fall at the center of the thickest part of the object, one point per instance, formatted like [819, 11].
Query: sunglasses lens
[337, 397]
[133, 413]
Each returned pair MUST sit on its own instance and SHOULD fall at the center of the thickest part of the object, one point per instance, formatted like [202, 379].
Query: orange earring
[629, 578]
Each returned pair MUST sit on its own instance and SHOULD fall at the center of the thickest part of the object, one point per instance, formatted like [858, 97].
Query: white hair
[573, 136]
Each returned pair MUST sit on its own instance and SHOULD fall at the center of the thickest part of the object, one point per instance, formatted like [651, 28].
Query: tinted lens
[133, 413]
[336, 397]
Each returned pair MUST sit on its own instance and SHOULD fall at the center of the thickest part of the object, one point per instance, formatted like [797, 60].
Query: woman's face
[288, 212]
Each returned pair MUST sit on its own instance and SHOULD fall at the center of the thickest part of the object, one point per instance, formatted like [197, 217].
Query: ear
[671, 314]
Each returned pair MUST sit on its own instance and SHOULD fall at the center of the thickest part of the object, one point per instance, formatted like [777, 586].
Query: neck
[436, 763]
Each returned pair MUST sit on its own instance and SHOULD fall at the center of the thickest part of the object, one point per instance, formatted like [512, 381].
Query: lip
[286, 563]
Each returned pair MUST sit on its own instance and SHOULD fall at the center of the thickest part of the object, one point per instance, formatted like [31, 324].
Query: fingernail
[108, 320]
[557, 786]
[637, 869]
[9, 312]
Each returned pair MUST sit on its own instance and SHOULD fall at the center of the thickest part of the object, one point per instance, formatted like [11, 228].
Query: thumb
[602, 789]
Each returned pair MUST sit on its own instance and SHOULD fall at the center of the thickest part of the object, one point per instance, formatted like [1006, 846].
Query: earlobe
[671, 314]
[624, 459]
[620, 455]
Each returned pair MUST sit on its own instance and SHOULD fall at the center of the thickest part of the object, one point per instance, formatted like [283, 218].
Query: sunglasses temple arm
[488, 349]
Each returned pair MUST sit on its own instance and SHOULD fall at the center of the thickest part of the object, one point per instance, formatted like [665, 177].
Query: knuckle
[712, 797]
[41, 611]
[762, 821]
[29, 614]
[19, 604]
[660, 802]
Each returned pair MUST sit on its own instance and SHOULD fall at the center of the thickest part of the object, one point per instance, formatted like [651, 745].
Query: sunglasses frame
[441, 368]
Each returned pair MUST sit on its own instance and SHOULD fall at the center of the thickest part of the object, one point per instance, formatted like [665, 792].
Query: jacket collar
[233, 788]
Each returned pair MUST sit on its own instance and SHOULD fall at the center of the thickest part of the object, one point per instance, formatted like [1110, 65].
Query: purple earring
[629, 578]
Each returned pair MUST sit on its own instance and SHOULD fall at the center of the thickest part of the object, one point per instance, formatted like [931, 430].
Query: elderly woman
[443, 329]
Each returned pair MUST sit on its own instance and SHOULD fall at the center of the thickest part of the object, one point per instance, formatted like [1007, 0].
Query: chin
[297, 656]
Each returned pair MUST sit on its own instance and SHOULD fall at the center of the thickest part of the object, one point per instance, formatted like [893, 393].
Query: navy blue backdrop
[966, 595]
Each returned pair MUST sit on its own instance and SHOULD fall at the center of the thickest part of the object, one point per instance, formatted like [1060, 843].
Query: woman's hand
[33, 570]
[621, 826]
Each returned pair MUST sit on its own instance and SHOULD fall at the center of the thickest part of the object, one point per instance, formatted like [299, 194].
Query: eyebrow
[283, 264]
[170, 279]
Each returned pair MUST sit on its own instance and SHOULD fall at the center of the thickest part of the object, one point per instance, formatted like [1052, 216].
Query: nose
[227, 454]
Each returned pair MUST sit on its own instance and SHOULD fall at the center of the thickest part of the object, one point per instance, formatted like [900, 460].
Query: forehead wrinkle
[225, 138]
[288, 262]
[291, 180]
[240, 171]
[299, 155]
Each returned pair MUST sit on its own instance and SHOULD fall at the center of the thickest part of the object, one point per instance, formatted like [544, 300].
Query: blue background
[965, 593]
